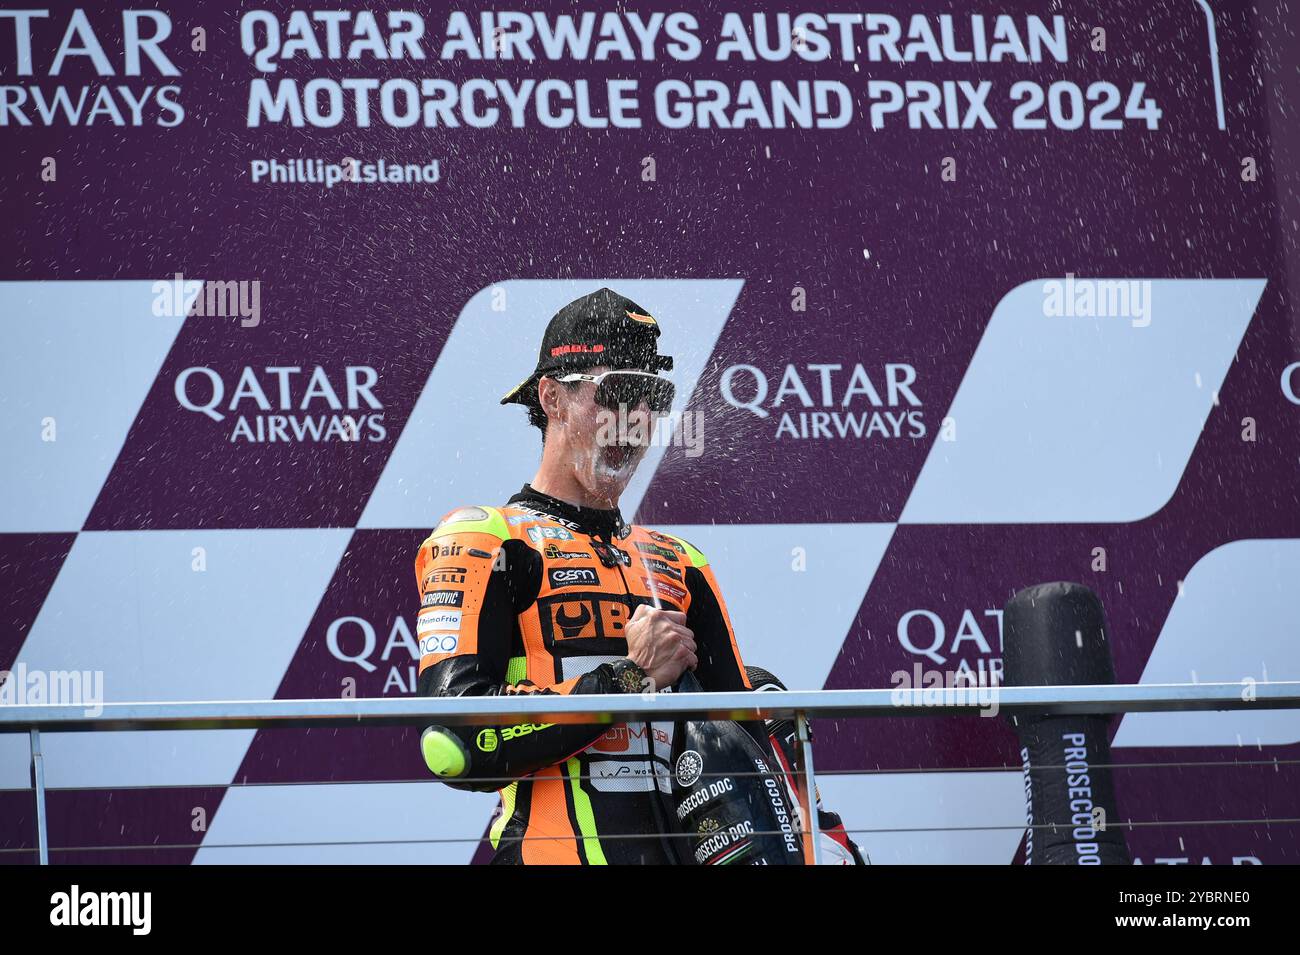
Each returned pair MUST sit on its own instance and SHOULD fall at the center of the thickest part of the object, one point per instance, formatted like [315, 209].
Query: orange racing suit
[533, 597]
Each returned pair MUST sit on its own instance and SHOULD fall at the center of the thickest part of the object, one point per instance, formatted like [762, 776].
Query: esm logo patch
[572, 577]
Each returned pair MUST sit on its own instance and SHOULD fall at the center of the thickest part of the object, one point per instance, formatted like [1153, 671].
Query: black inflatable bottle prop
[1053, 635]
[727, 797]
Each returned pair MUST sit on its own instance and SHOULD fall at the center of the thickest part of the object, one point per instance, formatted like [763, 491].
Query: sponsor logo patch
[574, 622]
[444, 598]
[573, 576]
[659, 567]
[522, 729]
[446, 575]
[543, 516]
[610, 555]
[430, 620]
[665, 539]
[539, 534]
[552, 552]
[439, 643]
[689, 767]
[625, 738]
[661, 552]
[578, 348]
[664, 589]
[579, 618]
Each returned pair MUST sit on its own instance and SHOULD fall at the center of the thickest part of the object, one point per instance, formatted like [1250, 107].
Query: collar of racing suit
[593, 521]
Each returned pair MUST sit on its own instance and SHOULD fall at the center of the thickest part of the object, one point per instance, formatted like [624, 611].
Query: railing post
[38, 784]
[809, 786]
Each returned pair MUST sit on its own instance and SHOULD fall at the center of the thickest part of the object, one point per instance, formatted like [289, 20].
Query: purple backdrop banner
[964, 297]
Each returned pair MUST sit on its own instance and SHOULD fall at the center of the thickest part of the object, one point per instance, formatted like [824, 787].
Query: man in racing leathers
[554, 593]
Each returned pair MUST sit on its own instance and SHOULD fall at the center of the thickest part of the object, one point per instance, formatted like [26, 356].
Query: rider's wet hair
[537, 417]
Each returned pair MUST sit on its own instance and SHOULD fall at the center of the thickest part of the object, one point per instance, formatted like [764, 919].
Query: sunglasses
[615, 389]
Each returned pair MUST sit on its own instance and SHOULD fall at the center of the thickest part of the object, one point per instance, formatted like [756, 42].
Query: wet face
[603, 446]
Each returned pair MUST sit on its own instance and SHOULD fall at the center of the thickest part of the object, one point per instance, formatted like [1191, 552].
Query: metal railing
[799, 705]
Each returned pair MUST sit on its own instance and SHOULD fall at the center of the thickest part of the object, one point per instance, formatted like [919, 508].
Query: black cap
[603, 328]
